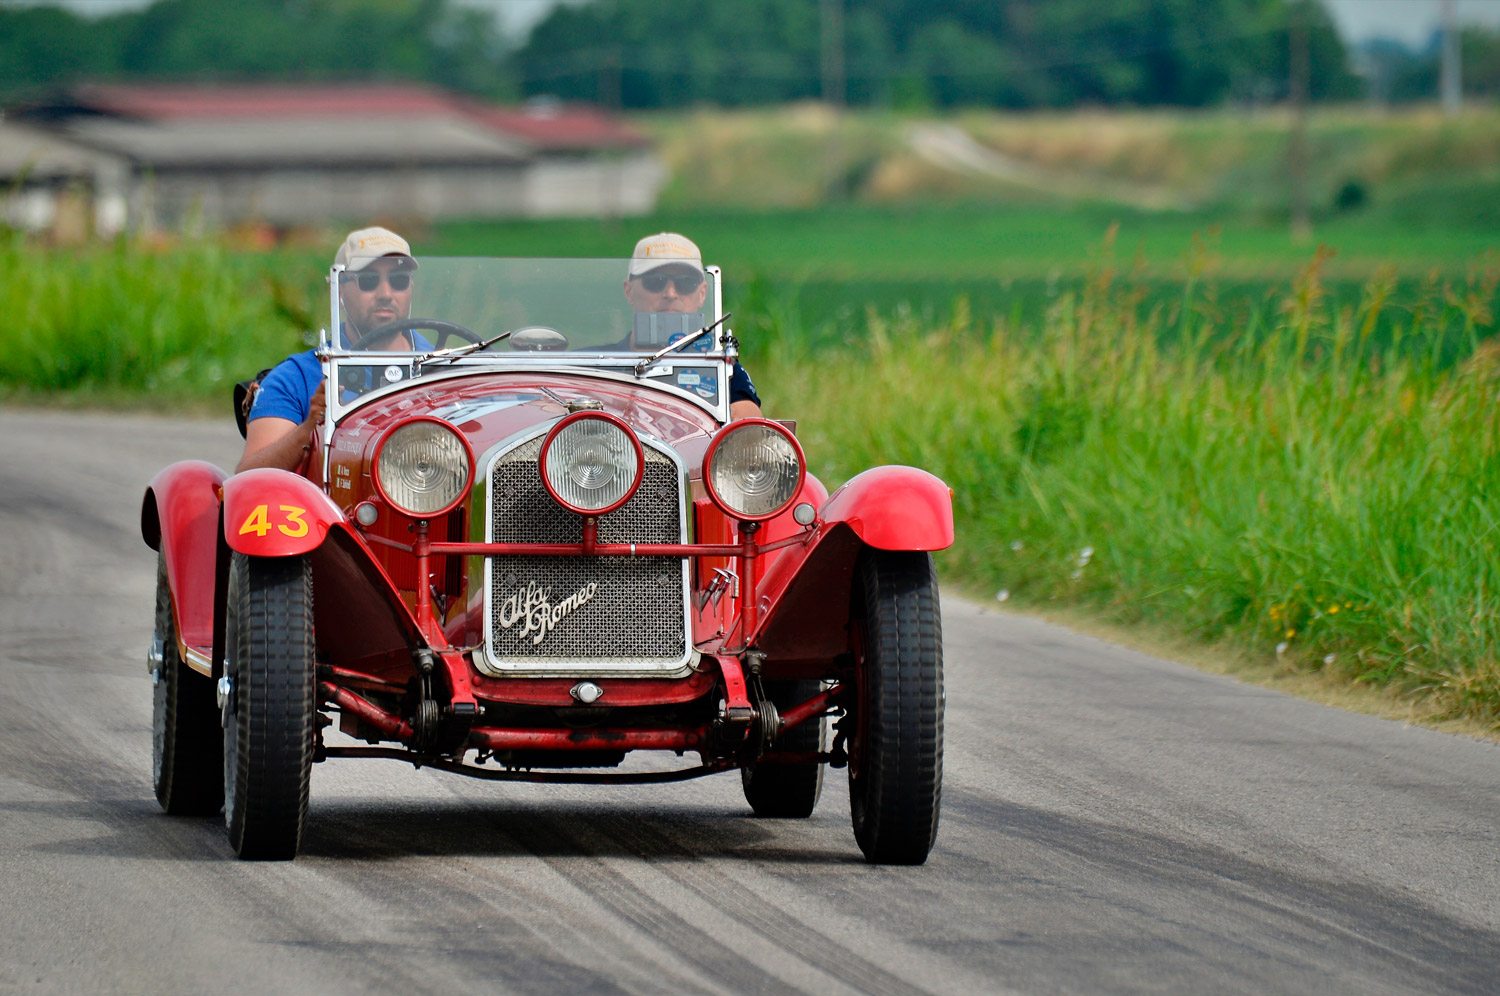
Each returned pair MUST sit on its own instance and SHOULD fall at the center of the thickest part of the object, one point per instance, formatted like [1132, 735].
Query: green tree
[257, 40]
[49, 46]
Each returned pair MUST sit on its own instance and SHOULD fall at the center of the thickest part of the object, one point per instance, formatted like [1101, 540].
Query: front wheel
[896, 753]
[186, 770]
[268, 706]
[788, 791]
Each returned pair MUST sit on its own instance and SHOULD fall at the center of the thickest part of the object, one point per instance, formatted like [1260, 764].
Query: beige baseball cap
[665, 249]
[366, 245]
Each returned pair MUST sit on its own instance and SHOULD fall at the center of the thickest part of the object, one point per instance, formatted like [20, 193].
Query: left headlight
[753, 469]
[591, 462]
[423, 467]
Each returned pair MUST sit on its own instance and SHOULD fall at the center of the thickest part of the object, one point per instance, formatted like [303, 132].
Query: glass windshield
[548, 305]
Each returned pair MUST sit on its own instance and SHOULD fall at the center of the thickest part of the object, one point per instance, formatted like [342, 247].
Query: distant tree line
[650, 54]
[227, 41]
[1005, 53]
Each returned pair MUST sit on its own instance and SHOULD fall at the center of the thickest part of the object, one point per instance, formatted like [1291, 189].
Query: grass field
[1306, 495]
[814, 277]
[1176, 419]
[986, 241]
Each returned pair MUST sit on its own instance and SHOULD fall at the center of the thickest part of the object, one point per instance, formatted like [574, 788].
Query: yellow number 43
[259, 521]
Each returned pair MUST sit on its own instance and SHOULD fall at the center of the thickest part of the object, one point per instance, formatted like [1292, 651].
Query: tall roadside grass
[1303, 489]
[127, 323]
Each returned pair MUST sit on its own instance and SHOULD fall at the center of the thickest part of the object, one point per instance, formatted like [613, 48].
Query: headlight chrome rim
[722, 436]
[598, 416]
[381, 448]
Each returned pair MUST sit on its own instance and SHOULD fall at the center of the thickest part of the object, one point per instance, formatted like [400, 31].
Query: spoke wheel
[788, 791]
[268, 706]
[896, 754]
[186, 770]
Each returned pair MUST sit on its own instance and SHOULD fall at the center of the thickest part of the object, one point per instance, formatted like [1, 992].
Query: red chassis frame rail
[497, 739]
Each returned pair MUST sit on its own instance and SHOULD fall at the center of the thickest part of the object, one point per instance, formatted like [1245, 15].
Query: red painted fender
[276, 513]
[894, 508]
[180, 517]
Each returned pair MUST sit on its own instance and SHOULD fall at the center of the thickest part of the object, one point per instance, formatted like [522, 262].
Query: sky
[1409, 21]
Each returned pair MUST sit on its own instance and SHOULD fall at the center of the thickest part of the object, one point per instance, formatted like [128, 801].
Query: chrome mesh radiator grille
[582, 612]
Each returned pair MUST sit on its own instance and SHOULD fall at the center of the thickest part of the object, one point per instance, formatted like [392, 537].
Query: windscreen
[548, 305]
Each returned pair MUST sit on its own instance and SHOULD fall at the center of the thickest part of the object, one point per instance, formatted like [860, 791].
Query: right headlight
[753, 469]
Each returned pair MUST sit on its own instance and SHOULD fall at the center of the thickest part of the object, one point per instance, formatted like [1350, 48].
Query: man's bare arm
[280, 442]
[743, 409]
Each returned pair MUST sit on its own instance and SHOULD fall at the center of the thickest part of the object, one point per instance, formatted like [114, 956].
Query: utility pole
[833, 52]
[833, 93]
[1297, 146]
[1452, 76]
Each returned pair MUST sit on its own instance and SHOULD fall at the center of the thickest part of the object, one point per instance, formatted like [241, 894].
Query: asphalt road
[1111, 823]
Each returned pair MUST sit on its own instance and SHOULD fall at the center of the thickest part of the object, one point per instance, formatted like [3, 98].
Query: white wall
[558, 187]
[548, 187]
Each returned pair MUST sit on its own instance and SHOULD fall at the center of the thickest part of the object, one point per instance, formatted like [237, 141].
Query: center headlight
[753, 468]
[591, 462]
[423, 467]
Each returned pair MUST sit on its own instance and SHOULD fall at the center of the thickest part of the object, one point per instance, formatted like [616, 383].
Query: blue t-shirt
[741, 388]
[288, 390]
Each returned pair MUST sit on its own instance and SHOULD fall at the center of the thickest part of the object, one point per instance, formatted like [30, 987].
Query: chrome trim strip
[196, 661]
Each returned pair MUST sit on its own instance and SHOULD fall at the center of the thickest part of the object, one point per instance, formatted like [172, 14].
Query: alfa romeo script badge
[532, 609]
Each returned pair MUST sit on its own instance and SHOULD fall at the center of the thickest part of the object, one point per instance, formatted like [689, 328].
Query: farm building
[160, 156]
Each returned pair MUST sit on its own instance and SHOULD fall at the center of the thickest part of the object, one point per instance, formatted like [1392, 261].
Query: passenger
[374, 289]
[666, 275]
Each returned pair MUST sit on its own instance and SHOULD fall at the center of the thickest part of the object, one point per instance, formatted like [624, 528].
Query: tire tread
[897, 798]
[273, 647]
[190, 780]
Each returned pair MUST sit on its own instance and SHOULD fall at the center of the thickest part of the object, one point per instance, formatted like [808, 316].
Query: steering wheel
[444, 330]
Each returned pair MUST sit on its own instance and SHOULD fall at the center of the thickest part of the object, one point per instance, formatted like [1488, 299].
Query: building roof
[322, 140]
[542, 125]
[170, 103]
[44, 155]
[552, 126]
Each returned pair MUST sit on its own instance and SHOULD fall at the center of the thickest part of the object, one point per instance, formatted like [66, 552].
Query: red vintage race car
[533, 547]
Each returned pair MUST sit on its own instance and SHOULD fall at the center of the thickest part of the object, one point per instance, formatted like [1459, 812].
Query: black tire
[896, 753]
[268, 720]
[788, 791]
[187, 769]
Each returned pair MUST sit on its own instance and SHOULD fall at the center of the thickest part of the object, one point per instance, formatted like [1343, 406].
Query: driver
[666, 275]
[374, 289]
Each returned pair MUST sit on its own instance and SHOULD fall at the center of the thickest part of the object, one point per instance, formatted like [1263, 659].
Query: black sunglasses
[368, 280]
[686, 283]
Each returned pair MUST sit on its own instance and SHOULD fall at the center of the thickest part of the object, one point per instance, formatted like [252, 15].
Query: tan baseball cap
[366, 245]
[665, 249]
